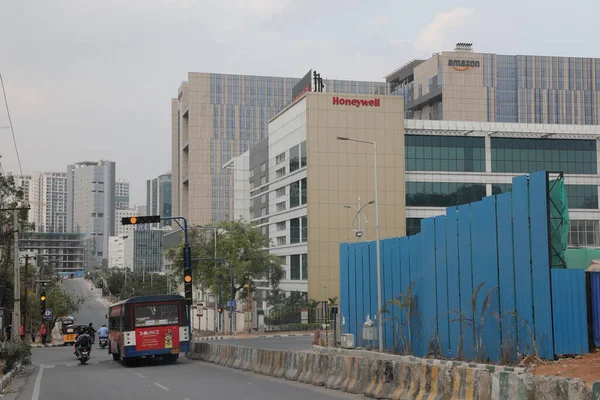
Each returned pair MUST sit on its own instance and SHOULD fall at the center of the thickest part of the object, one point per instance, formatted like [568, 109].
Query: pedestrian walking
[22, 332]
[8, 332]
[44, 333]
[33, 336]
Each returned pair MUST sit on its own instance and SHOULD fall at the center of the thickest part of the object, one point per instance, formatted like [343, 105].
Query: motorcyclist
[83, 340]
[103, 332]
[92, 332]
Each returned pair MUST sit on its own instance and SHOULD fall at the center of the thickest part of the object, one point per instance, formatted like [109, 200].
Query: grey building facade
[159, 198]
[147, 250]
[64, 252]
[91, 205]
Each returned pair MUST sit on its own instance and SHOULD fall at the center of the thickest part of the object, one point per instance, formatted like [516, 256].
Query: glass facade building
[490, 155]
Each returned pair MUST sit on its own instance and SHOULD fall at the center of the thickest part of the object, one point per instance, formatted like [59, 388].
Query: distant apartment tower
[23, 181]
[158, 197]
[217, 117]
[121, 194]
[91, 205]
[48, 201]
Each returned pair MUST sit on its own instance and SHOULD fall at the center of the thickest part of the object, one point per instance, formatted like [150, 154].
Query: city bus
[148, 326]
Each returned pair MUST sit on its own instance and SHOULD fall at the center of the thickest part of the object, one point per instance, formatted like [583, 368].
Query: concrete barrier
[392, 379]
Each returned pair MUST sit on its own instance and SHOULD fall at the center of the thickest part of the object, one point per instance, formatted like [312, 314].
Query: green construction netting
[581, 258]
[559, 222]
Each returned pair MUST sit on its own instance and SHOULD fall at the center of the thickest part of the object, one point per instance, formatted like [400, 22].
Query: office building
[216, 117]
[121, 229]
[48, 201]
[119, 255]
[121, 194]
[91, 205]
[451, 163]
[158, 197]
[462, 85]
[301, 180]
[64, 252]
[146, 246]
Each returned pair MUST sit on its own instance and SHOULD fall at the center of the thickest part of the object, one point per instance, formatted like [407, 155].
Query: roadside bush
[293, 327]
[14, 351]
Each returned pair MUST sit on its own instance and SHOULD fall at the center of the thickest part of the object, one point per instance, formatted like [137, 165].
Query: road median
[391, 378]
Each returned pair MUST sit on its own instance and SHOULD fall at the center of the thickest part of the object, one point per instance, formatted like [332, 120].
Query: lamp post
[359, 212]
[377, 244]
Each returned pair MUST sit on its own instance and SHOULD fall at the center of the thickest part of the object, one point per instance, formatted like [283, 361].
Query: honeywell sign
[339, 101]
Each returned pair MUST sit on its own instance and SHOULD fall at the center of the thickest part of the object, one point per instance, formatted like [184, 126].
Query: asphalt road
[292, 343]
[94, 309]
[56, 376]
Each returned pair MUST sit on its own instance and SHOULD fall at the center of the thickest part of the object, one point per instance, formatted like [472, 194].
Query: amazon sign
[463, 65]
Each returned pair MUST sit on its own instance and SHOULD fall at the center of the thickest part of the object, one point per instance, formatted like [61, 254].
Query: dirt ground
[586, 367]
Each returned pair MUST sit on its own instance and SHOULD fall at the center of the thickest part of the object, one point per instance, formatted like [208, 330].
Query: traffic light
[43, 301]
[187, 280]
[220, 310]
[147, 219]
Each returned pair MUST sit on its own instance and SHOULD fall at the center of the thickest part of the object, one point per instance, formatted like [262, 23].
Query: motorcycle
[103, 342]
[85, 356]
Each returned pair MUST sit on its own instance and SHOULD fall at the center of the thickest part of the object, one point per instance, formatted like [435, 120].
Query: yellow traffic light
[133, 220]
[43, 298]
[187, 278]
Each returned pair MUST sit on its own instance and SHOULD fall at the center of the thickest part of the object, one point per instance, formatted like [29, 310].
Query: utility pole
[17, 278]
[25, 291]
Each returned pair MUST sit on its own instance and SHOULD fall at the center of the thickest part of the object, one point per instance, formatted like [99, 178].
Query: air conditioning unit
[347, 341]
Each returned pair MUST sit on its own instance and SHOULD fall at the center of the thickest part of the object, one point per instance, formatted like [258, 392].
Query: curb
[8, 377]
[392, 379]
[209, 338]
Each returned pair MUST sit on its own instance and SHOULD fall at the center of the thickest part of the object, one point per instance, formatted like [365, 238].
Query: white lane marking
[141, 376]
[185, 398]
[38, 384]
[161, 386]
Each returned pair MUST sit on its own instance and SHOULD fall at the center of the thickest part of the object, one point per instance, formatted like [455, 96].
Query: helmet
[90, 325]
[103, 325]
[83, 330]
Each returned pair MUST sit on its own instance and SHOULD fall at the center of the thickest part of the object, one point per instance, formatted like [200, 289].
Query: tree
[241, 246]
[61, 303]
[125, 284]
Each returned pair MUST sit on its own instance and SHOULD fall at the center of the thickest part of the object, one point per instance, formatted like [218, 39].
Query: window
[263, 180]
[156, 315]
[584, 233]
[303, 154]
[263, 211]
[263, 167]
[280, 158]
[445, 153]
[295, 230]
[294, 158]
[281, 241]
[304, 229]
[294, 194]
[303, 191]
[443, 194]
[263, 198]
[281, 206]
[281, 226]
[527, 155]
[413, 226]
[298, 267]
[280, 192]
[280, 172]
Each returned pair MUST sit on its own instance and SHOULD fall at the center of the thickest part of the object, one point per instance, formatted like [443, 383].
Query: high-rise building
[158, 197]
[216, 117]
[121, 229]
[121, 194]
[64, 252]
[91, 205]
[48, 201]
[461, 85]
[23, 181]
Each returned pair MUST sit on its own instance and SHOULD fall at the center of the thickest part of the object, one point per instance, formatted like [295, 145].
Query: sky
[91, 79]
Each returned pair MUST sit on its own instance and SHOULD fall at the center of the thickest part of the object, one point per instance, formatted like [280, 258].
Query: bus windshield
[156, 315]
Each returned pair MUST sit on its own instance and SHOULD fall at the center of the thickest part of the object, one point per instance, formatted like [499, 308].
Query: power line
[11, 125]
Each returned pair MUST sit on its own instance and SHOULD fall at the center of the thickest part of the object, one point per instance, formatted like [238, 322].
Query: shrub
[14, 351]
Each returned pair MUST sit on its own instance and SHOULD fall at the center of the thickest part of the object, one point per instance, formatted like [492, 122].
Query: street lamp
[358, 210]
[377, 244]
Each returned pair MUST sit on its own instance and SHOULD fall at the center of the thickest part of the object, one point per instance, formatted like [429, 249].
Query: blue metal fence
[480, 281]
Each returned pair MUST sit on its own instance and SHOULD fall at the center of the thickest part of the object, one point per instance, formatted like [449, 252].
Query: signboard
[231, 304]
[304, 316]
[48, 314]
[463, 65]
[157, 337]
[303, 86]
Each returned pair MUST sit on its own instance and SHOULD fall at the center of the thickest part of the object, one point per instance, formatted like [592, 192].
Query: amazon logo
[463, 65]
